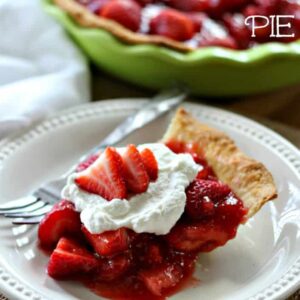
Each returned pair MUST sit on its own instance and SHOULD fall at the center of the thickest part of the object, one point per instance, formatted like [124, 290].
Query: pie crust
[87, 19]
[248, 178]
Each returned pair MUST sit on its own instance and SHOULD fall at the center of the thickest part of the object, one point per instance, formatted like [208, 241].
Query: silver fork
[32, 208]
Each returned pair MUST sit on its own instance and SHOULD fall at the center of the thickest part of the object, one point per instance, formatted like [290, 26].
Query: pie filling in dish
[134, 220]
[188, 24]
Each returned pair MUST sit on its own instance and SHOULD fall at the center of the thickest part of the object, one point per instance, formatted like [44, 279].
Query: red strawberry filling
[125, 12]
[108, 243]
[182, 20]
[172, 24]
[61, 221]
[70, 259]
[122, 264]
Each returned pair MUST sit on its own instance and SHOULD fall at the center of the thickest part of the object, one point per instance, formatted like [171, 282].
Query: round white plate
[263, 262]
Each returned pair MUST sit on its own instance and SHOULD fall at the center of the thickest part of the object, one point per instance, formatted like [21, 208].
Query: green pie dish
[211, 71]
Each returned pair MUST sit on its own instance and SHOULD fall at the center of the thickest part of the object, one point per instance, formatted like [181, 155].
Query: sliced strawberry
[88, 162]
[109, 242]
[61, 221]
[202, 195]
[150, 163]
[70, 259]
[176, 146]
[172, 24]
[157, 280]
[114, 267]
[104, 176]
[125, 12]
[135, 173]
[202, 237]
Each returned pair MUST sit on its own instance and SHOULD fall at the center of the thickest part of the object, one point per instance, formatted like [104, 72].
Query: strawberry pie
[134, 220]
[188, 24]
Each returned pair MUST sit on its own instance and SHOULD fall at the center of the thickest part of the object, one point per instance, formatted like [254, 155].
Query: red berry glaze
[200, 236]
[125, 12]
[108, 243]
[212, 212]
[112, 268]
[190, 5]
[159, 279]
[154, 254]
[235, 24]
[145, 2]
[122, 264]
[202, 196]
[208, 40]
[198, 19]
[291, 8]
[70, 259]
[218, 7]
[174, 21]
[61, 221]
[172, 24]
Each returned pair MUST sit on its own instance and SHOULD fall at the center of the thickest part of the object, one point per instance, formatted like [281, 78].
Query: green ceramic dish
[210, 71]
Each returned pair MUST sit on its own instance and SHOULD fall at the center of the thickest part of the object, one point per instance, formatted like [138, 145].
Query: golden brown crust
[87, 19]
[249, 179]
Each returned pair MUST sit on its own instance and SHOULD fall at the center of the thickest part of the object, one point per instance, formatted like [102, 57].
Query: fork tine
[29, 221]
[47, 195]
[19, 203]
[37, 213]
[26, 209]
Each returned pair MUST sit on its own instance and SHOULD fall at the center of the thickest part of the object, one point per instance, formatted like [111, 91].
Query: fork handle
[158, 106]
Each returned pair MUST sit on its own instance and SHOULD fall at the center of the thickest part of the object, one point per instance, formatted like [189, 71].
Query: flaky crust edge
[248, 178]
[87, 19]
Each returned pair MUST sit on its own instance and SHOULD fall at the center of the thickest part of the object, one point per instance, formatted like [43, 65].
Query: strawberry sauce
[203, 23]
[124, 265]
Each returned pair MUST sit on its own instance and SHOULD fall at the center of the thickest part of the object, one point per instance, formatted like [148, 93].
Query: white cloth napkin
[40, 68]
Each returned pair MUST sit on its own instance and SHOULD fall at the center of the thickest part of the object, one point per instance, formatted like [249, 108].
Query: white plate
[263, 262]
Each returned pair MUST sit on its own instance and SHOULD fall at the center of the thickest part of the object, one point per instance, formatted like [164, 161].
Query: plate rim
[283, 287]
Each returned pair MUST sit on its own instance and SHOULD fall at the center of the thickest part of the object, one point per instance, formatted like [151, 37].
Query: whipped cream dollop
[154, 211]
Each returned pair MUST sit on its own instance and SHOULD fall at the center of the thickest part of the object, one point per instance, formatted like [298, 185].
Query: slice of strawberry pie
[135, 219]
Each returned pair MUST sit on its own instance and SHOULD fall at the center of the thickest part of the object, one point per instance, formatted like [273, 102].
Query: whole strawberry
[172, 24]
[125, 12]
[202, 195]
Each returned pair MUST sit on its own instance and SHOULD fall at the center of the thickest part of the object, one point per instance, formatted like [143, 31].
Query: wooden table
[279, 110]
